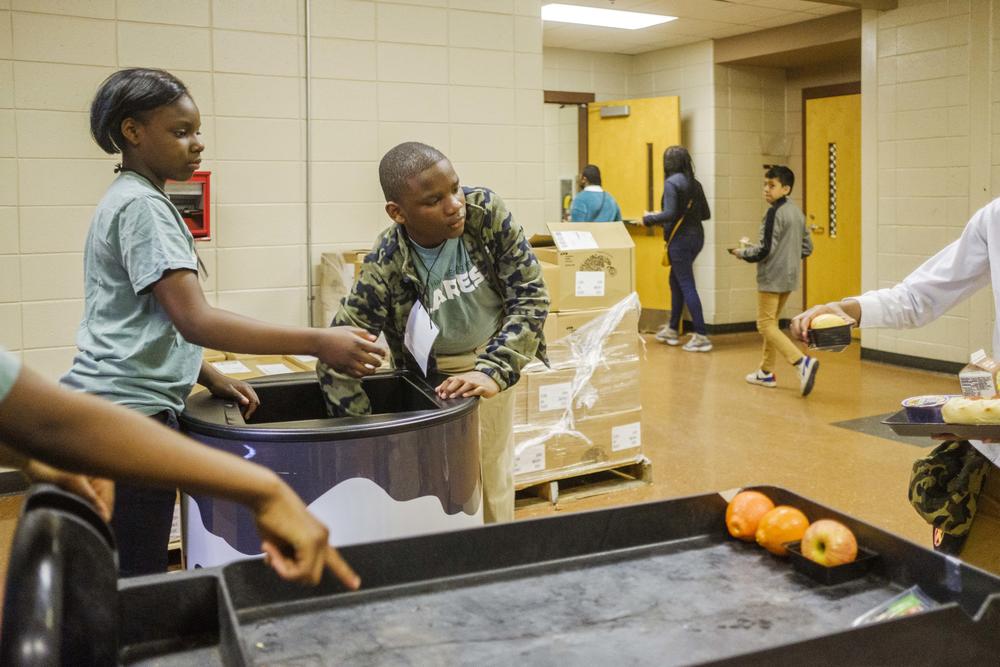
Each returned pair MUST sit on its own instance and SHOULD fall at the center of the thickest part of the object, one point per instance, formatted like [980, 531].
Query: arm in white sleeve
[938, 284]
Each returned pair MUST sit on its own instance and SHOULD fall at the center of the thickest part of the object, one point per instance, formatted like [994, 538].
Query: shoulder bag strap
[681, 221]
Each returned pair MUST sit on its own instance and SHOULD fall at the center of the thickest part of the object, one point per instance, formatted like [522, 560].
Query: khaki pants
[982, 546]
[496, 442]
[769, 305]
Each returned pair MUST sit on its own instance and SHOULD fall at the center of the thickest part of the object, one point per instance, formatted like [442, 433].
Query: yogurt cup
[925, 409]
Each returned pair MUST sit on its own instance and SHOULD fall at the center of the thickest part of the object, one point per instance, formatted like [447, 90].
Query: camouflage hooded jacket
[388, 287]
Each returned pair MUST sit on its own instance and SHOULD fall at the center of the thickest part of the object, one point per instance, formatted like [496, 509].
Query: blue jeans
[682, 288]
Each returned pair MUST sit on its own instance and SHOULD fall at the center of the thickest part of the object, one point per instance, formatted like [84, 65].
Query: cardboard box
[594, 264]
[543, 453]
[611, 388]
[520, 402]
[247, 367]
[209, 354]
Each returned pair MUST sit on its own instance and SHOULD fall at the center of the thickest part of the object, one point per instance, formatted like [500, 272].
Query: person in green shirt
[453, 261]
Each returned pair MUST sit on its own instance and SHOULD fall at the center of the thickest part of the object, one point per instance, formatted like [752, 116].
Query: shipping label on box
[626, 436]
[529, 459]
[554, 396]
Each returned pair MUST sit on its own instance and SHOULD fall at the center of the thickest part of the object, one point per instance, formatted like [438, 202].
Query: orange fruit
[780, 525]
[744, 512]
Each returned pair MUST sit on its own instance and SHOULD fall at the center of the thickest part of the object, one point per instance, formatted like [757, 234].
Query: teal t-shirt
[594, 206]
[130, 353]
[458, 297]
[10, 368]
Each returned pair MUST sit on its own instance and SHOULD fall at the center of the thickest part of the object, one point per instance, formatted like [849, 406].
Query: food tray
[901, 425]
[830, 576]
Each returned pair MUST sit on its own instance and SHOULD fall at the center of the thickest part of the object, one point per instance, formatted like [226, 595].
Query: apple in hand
[829, 543]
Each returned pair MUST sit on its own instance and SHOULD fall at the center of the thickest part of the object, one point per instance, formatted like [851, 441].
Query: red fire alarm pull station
[193, 199]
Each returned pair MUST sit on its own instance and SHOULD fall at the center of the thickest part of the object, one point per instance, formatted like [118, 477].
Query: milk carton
[979, 377]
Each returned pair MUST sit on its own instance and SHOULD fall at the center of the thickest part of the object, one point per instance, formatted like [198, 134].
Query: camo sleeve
[366, 307]
[526, 301]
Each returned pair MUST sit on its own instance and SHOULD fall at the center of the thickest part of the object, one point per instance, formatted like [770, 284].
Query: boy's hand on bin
[799, 326]
[466, 385]
[295, 543]
[349, 350]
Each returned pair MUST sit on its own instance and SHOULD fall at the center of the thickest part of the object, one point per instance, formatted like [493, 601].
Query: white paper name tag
[590, 283]
[274, 369]
[574, 240]
[421, 332]
[554, 396]
[304, 358]
[531, 459]
[230, 367]
[626, 436]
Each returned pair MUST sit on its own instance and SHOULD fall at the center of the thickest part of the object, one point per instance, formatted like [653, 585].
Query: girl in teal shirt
[145, 315]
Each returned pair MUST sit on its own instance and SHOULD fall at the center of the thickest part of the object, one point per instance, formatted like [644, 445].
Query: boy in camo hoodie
[456, 253]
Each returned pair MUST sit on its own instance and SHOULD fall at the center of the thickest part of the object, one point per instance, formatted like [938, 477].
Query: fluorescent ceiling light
[607, 18]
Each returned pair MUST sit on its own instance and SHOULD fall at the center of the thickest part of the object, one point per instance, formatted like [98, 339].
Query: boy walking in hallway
[784, 243]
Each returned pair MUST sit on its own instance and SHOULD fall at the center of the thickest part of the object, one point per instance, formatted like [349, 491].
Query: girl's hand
[349, 350]
[223, 386]
[473, 383]
[99, 492]
[295, 544]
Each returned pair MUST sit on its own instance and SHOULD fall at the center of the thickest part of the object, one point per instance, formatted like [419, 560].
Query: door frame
[581, 100]
[834, 90]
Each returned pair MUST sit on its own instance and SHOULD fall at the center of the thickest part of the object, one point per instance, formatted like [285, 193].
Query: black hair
[677, 160]
[129, 93]
[403, 163]
[592, 174]
[783, 174]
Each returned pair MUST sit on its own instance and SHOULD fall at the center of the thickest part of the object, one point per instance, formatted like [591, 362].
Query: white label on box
[304, 358]
[575, 240]
[230, 367]
[531, 459]
[590, 283]
[554, 396]
[626, 436]
[274, 369]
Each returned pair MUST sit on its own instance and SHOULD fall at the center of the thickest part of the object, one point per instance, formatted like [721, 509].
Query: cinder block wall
[464, 75]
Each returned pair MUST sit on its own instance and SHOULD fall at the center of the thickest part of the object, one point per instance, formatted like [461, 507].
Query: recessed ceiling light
[607, 18]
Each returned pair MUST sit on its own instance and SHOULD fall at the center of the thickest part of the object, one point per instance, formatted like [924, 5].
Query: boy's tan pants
[769, 306]
[496, 442]
[982, 546]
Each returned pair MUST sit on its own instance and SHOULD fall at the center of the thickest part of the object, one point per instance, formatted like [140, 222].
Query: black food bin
[411, 467]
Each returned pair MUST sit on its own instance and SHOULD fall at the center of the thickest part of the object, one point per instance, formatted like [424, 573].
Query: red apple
[829, 543]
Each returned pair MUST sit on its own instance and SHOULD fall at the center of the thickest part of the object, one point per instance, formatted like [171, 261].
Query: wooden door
[833, 197]
[629, 152]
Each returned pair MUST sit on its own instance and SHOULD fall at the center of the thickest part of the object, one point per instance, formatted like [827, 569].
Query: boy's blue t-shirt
[594, 206]
[130, 353]
[10, 368]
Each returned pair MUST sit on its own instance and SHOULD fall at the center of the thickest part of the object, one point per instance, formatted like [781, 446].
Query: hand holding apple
[829, 543]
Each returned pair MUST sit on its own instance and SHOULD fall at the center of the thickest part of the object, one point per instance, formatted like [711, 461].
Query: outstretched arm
[75, 431]
[349, 350]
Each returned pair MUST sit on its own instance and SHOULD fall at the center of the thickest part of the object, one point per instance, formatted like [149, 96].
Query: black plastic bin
[411, 467]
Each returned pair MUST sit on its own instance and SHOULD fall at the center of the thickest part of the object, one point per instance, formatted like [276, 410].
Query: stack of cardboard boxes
[584, 414]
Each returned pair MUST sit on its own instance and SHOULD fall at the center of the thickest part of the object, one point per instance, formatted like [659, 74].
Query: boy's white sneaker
[807, 374]
[698, 343]
[668, 335]
[762, 378]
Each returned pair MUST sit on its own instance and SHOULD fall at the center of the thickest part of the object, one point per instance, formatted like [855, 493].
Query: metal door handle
[817, 229]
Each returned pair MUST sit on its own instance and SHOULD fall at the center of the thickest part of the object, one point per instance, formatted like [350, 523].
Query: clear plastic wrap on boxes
[584, 413]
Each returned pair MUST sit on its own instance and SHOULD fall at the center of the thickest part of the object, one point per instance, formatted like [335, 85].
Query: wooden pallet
[590, 482]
